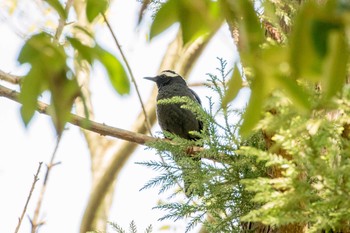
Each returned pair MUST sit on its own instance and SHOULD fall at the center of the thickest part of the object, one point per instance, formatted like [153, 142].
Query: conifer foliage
[225, 198]
[284, 164]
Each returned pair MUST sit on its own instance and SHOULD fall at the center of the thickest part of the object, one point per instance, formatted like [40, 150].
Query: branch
[35, 223]
[61, 21]
[93, 126]
[29, 196]
[9, 78]
[84, 123]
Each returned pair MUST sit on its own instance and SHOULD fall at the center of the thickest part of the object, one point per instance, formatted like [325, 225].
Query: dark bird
[174, 119]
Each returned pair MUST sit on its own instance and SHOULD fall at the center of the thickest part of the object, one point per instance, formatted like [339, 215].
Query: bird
[174, 119]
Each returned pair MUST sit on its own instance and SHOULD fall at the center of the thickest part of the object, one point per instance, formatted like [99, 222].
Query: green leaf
[48, 72]
[295, 93]
[58, 7]
[84, 30]
[335, 65]
[84, 51]
[116, 71]
[319, 51]
[253, 112]
[30, 91]
[234, 85]
[32, 48]
[309, 39]
[95, 7]
[63, 93]
[165, 17]
[276, 71]
[196, 17]
[251, 32]
[35, 52]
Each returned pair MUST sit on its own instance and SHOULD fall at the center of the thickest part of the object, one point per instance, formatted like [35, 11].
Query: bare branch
[9, 78]
[28, 198]
[35, 221]
[148, 124]
[61, 21]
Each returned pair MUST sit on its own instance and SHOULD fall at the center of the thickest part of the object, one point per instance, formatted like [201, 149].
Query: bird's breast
[172, 117]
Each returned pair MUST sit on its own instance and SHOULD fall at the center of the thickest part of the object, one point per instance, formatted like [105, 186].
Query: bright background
[69, 186]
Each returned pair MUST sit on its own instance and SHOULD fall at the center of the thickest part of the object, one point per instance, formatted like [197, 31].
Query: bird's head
[167, 77]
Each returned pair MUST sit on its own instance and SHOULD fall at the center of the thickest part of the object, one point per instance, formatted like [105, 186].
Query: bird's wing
[196, 96]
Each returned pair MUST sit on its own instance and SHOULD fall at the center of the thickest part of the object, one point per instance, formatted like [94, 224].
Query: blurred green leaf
[197, 18]
[95, 7]
[295, 92]
[84, 30]
[234, 85]
[34, 52]
[253, 112]
[335, 64]
[48, 72]
[251, 31]
[165, 17]
[276, 71]
[319, 51]
[84, 51]
[58, 7]
[116, 71]
[63, 93]
[310, 39]
[304, 60]
[320, 30]
[30, 91]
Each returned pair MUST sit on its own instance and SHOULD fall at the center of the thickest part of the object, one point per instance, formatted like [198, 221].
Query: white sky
[69, 186]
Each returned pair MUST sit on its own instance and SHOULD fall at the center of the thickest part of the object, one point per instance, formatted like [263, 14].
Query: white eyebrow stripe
[169, 74]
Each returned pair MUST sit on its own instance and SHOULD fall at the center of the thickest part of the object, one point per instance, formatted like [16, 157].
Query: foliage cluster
[50, 58]
[225, 199]
[296, 122]
[315, 51]
[311, 156]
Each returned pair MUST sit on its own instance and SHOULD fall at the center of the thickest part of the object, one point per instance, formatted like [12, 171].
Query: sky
[69, 186]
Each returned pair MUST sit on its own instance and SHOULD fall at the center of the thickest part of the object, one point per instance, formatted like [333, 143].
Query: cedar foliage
[300, 177]
[225, 198]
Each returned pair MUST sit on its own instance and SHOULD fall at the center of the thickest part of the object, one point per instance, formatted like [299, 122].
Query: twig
[34, 222]
[61, 21]
[148, 124]
[28, 198]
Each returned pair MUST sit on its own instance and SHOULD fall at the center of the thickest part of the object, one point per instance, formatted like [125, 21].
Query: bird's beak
[154, 79]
